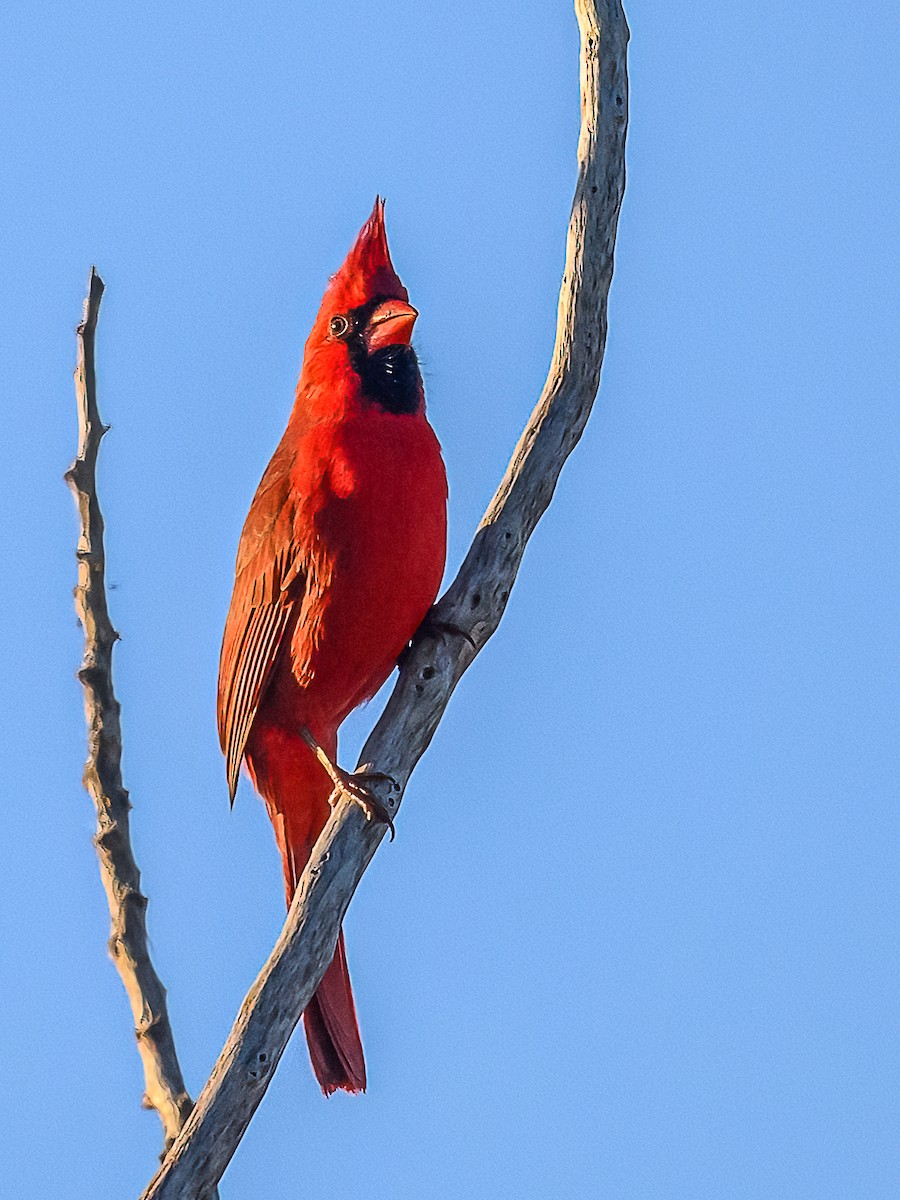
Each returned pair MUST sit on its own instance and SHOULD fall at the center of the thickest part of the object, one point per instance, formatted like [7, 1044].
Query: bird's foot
[354, 786]
[433, 628]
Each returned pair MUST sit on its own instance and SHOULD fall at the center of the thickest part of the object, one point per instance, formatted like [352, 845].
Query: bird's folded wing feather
[268, 591]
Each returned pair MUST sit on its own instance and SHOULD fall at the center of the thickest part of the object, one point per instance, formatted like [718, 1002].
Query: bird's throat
[390, 378]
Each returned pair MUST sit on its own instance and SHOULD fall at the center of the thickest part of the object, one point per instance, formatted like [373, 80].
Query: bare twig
[164, 1086]
[473, 605]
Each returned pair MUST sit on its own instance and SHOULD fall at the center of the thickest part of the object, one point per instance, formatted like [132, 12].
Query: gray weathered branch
[473, 604]
[164, 1086]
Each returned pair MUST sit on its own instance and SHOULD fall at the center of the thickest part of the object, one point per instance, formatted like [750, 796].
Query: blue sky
[637, 936]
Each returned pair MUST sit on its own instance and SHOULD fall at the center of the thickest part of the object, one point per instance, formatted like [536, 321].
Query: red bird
[340, 559]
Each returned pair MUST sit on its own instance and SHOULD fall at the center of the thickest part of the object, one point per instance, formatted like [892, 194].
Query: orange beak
[390, 324]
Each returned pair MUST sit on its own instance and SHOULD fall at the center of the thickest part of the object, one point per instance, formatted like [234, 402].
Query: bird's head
[360, 342]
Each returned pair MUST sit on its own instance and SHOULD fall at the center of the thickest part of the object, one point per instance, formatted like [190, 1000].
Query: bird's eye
[339, 327]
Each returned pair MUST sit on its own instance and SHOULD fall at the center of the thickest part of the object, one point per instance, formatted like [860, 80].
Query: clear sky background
[637, 936]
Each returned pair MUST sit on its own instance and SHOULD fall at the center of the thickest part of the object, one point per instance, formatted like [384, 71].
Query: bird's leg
[352, 785]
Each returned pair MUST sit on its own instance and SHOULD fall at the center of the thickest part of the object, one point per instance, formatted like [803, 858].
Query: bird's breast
[381, 522]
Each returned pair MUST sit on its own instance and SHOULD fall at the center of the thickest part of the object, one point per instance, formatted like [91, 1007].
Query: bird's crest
[367, 271]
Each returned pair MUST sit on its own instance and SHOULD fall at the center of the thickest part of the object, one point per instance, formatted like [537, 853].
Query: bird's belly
[365, 628]
[387, 543]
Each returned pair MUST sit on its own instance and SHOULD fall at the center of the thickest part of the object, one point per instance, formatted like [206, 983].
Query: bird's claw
[354, 787]
[433, 628]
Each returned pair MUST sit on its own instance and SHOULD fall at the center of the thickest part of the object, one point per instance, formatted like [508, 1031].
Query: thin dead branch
[473, 605]
[163, 1083]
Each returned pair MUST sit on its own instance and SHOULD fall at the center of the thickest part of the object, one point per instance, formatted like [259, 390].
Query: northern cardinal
[340, 558]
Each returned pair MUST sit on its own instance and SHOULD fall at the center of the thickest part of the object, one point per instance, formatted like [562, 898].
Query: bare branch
[164, 1086]
[473, 605]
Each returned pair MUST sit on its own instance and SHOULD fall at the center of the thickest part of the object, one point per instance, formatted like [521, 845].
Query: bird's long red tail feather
[296, 789]
[332, 1032]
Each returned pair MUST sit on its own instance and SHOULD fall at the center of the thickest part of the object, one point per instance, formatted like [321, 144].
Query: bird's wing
[269, 586]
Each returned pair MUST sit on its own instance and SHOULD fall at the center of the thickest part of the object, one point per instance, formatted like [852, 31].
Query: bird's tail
[332, 1032]
[296, 794]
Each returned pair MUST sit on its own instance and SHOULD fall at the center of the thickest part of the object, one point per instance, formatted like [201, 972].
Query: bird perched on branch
[340, 559]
